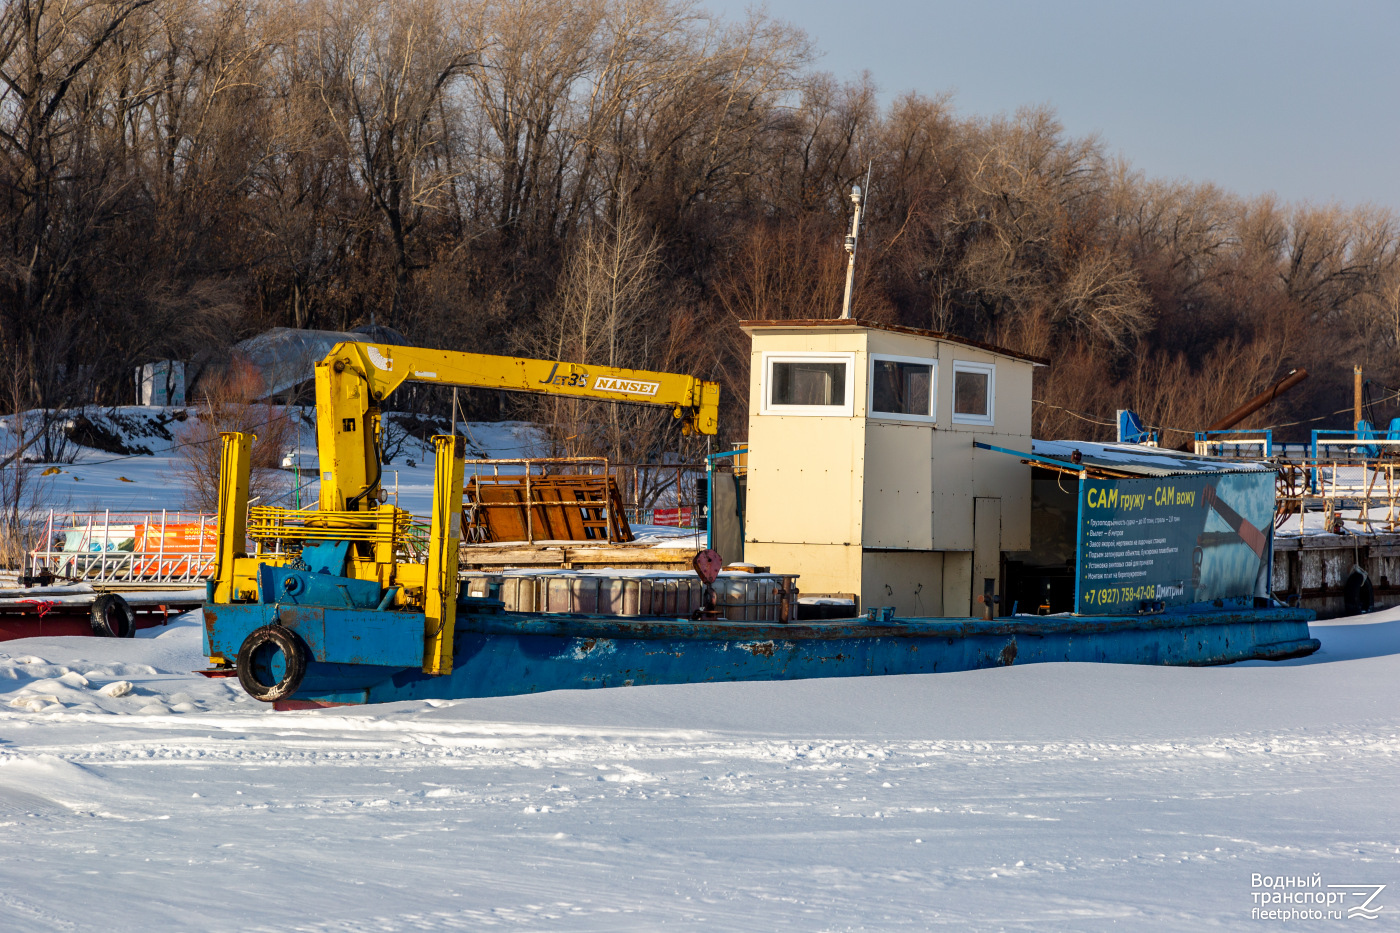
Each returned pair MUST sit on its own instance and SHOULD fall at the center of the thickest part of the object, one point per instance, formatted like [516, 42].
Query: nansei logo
[625, 386]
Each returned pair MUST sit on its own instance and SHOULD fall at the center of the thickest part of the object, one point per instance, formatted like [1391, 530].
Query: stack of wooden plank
[544, 508]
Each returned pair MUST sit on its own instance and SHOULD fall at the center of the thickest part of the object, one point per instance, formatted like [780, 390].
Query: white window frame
[931, 418]
[845, 410]
[990, 369]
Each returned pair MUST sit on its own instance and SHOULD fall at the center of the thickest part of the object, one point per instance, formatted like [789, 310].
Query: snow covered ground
[135, 795]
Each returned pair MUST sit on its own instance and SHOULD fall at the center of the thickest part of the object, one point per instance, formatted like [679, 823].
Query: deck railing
[1330, 486]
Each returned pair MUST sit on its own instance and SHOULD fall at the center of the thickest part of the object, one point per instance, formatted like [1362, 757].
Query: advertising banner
[1154, 542]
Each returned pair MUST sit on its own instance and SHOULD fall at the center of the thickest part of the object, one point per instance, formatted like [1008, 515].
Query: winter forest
[620, 182]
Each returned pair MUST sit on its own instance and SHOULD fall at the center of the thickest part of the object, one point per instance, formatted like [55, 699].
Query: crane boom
[355, 378]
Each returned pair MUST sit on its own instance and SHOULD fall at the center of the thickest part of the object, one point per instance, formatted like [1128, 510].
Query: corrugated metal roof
[1141, 460]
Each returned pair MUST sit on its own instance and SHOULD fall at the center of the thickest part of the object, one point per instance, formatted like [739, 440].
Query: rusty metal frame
[679, 468]
[604, 468]
[1294, 490]
[529, 502]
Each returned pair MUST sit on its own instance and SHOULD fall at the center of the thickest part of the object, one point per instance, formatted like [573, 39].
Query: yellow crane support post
[234, 467]
[440, 594]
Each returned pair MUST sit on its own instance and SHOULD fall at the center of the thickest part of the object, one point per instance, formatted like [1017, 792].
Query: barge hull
[504, 654]
[66, 611]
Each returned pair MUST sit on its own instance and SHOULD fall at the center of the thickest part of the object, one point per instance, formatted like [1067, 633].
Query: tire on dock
[111, 617]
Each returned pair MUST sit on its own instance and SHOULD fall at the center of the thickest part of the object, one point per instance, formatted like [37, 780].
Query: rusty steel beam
[1259, 401]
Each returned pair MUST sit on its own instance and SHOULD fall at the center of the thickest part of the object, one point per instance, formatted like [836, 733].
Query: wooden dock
[1312, 570]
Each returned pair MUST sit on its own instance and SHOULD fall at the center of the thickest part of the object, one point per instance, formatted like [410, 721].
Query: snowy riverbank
[1064, 797]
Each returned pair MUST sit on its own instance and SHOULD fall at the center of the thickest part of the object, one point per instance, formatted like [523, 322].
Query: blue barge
[350, 659]
[358, 601]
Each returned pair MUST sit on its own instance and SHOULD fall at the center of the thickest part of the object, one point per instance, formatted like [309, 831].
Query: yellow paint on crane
[440, 594]
[234, 467]
[354, 379]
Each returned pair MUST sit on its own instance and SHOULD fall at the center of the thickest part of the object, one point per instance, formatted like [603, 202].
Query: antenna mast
[851, 240]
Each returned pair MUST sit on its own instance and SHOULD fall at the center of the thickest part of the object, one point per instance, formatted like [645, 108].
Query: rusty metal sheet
[544, 508]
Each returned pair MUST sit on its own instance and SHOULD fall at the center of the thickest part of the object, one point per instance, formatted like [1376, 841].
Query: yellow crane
[355, 533]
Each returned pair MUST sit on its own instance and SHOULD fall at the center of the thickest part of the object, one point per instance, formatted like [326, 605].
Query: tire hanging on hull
[111, 617]
[271, 663]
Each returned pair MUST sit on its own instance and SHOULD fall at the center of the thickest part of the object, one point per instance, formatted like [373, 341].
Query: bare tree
[386, 69]
[230, 404]
[178, 174]
[57, 183]
[610, 311]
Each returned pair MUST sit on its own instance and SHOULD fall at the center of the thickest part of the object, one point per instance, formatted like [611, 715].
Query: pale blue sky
[1301, 99]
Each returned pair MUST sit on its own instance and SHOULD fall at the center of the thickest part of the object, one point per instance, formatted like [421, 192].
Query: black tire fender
[258, 670]
[1358, 594]
[111, 617]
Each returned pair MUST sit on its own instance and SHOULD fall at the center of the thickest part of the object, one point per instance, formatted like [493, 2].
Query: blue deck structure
[368, 656]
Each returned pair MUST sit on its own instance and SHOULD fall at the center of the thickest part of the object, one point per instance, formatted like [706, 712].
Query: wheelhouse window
[903, 387]
[808, 384]
[974, 387]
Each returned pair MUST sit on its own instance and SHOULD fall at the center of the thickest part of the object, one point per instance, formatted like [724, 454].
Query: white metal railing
[1234, 449]
[155, 549]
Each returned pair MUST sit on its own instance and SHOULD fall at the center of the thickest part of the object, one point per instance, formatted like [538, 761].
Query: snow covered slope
[140, 468]
[137, 796]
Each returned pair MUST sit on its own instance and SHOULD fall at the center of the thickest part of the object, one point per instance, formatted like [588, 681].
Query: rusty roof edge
[898, 329]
